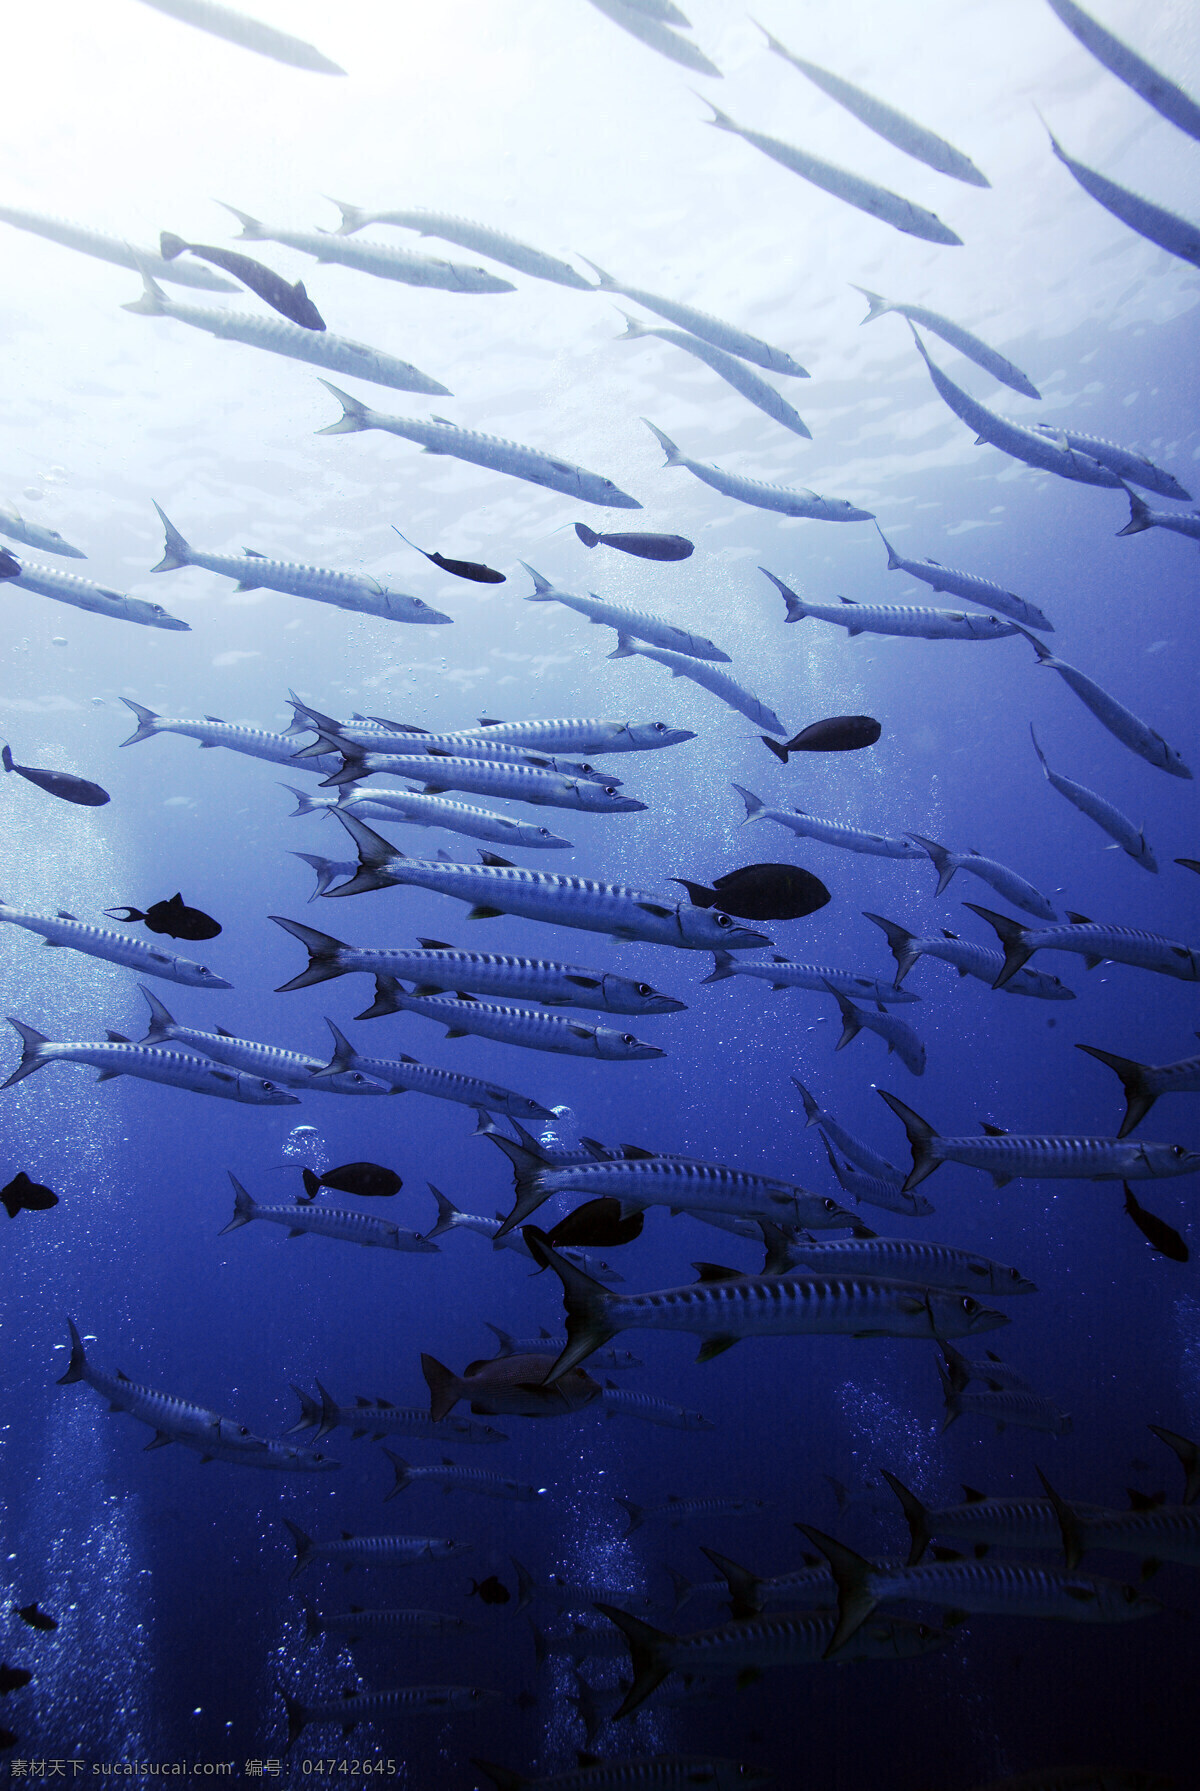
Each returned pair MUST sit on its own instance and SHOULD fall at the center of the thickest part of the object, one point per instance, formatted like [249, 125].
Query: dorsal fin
[973, 1495]
[1078, 920]
[635, 1153]
[713, 1271]
[993, 1131]
[494, 859]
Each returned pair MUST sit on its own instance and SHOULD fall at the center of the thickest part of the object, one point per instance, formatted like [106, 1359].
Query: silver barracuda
[1142, 517]
[719, 684]
[114, 249]
[491, 451]
[289, 1069]
[409, 743]
[275, 335]
[1121, 722]
[436, 967]
[830, 833]
[1127, 463]
[999, 1376]
[514, 781]
[896, 1034]
[363, 1707]
[734, 371]
[1172, 102]
[418, 810]
[359, 1625]
[580, 735]
[782, 973]
[1165, 229]
[677, 1509]
[1003, 1407]
[1006, 883]
[984, 356]
[748, 1593]
[248, 33]
[709, 329]
[404, 1075]
[979, 1522]
[258, 743]
[252, 571]
[481, 239]
[98, 600]
[618, 1403]
[879, 202]
[1131, 839]
[662, 1772]
[149, 1063]
[966, 584]
[326, 870]
[873, 1190]
[648, 27]
[1005, 1156]
[463, 1015]
[909, 1259]
[968, 959]
[379, 259]
[781, 498]
[546, 1344]
[1095, 942]
[884, 618]
[495, 887]
[1143, 1083]
[64, 930]
[35, 534]
[379, 1418]
[885, 1181]
[447, 1479]
[318, 1220]
[1160, 1533]
[627, 622]
[370, 1551]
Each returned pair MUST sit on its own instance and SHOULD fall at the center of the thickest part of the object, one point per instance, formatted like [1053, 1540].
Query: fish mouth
[663, 1004]
[434, 615]
[213, 982]
[173, 623]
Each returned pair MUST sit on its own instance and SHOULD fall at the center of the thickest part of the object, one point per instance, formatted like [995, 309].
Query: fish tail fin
[901, 942]
[176, 553]
[624, 649]
[589, 537]
[389, 999]
[345, 1057]
[244, 1208]
[796, 611]
[543, 590]
[147, 722]
[916, 1515]
[721, 120]
[812, 1112]
[852, 1020]
[674, 457]
[529, 1170]
[648, 1653]
[445, 1387]
[755, 806]
[251, 228]
[447, 1219]
[170, 246]
[324, 955]
[958, 1369]
[1138, 1096]
[635, 1513]
[403, 1474]
[851, 1574]
[607, 283]
[699, 894]
[153, 301]
[1045, 656]
[1012, 936]
[942, 857]
[526, 1584]
[310, 1411]
[722, 967]
[1037, 749]
[297, 1718]
[878, 305]
[893, 557]
[951, 1396]
[1189, 1459]
[1073, 1540]
[78, 1363]
[303, 1545]
[1140, 516]
[325, 870]
[780, 751]
[584, 1300]
[920, 1138]
[330, 1414]
[306, 803]
[373, 854]
[355, 414]
[633, 326]
[353, 217]
[7, 759]
[745, 1588]
[162, 1026]
[32, 1052]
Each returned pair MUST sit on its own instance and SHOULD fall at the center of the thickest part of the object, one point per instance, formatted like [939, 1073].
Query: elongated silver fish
[356, 1624]
[783, 973]
[956, 336]
[648, 27]
[258, 743]
[682, 665]
[511, 778]
[418, 810]
[370, 1551]
[618, 1403]
[627, 622]
[404, 1075]
[676, 1509]
[379, 259]
[447, 1479]
[35, 534]
[1026, 1411]
[275, 335]
[579, 735]
[658, 1772]
[781, 498]
[875, 1180]
[289, 1069]
[1127, 463]
[1006, 883]
[248, 33]
[378, 1418]
[360, 1707]
[896, 1033]
[119, 1057]
[999, 1376]
[831, 833]
[64, 929]
[408, 743]
[979, 1522]
[709, 329]
[1162, 1533]
[114, 249]
[1008, 1155]
[731, 369]
[872, 1190]
[1171, 101]
[481, 238]
[98, 600]
[909, 1259]
[840, 183]
[1145, 1082]
[437, 436]
[968, 959]
[453, 1218]
[318, 1220]
[965, 584]
[1131, 839]
[1095, 941]
[534, 1030]
[1142, 517]
[882, 618]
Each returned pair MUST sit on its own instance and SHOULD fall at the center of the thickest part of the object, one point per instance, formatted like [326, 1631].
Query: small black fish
[761, 892]
[480, 575]
[597, 1225]
[1161, 1236]
[35, 1616]
[173, 917]
[59, 783]
[12, 1678]
[491, 1590]
[10, 565]
[646, 547]
[365, 1179]
[840, 733]
[291, 301]
[22, 1195]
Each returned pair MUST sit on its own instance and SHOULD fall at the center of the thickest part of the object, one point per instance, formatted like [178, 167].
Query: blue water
[179, 1625]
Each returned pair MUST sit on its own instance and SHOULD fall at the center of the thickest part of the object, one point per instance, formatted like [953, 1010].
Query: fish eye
[1177, 1150]
[723, 920]
[268, 1086]
[660, 727]
[644, 989]
[545, 832]
[610, 789]
[204, 970]
[831, 1206]
[968, 1304]
[627, 1038]
[1015, 1274]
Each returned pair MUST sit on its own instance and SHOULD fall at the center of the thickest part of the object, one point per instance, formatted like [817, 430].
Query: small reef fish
[58, 783]
[291, 302]
[172, 917]
[642, 547]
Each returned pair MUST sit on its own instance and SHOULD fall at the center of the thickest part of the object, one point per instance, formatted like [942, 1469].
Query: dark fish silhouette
[291, 301]
[22, 1195]
[761, 892]
[1161, 1236]
[480, 575]
[841, 733]
[646, 547]
[597, 1225]
[10, 565]
[1190, 864]
[174, 918]
[12, 1678]
[59, 783]
[491, 1590]
[35, 1616]
[366, 1179]
[7, 1739]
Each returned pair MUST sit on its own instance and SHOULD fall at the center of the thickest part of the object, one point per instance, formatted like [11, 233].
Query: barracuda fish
[360, 1707]
[370, 1551]
[114, 249]
[479, 238]
[326, 870]
[662, 1772]
[879, 202]
[994, 1373]
[546, 1344]
[1145, 1082]
[258, 743]
[248, 33]
[957, 337]
[437, 436]
[436, 967]
[337, 354]
[968, 959]
[495, 887]
[327, 1222]
[965, 584]
[570, 1595]
[747, 1593]
[1007, 1156]
[512, 1025]
[896, 1033]
[1161, 1533]
[1172, 102]
[404, 1075]
[1012, 1590]
[979, 1523]
[1095, 942]
[1027, 1411]
[678, 1509]
[730, 368]
[1050, 454]
[1127, 463]
[579, 735]
[633, 623]
[1165, 229]
[371, 804]
[379, 1418]
[379, 259]
[782, 973]
[665, 11]
[720, 684]
[875, 1180]
[119, 1057]
[98, 600]
[881, 618]
[357, 1625]
[1006, 883]
[909, 1259]
[63, 929]
[894, 127]
[518, 782]
[709, 329]
[1142, 517]
[288, 1069]
[355, 591]
[831, 833]
[647, 26]
[35, 534]
[409, 744]
[175, 1421]
[448, 1479]
[1129, 838]
[871, 1190]
[618, 1403]
[788, 502]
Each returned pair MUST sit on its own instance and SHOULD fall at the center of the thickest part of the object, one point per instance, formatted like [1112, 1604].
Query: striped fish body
[448, 1479]
[619, 1404]
[830, 833]
[996, 1523]
[910, 1259]
[1127, 463]
[114, 948]
[1178, 236]
[456, 1220]
[978, 961]
[35, 534]
[290, 1069]
[677, 1510]
[1064, 1157]
[732, 370]
[997, 876]
[1013, 1590]
[348, 1227]
[685, 1185]
[860, 1154]
[411, 1700]
[405, 1075]
[84, 593]
[874, 1190]
[782, 499]
[1171, 101]
[418, 810]
[792, 1639]
[1120, 945]
[178, 1069]
[382, 260]
[344, 590]
[953, 333]
[384, 743]
[378, 1418]
[1165, 1533]
[575, 734]
[479, 238]
[385, 1551]
[645, 23]
[609, 1358]
[783, 973]
[524, 1026]
[709, 329]
[1097, 808]
[257, 743]
[513, 780]
[633, 622]
[1187, 523]
[970, 587]
[1121, 722]
[354, 1624]
[664, 1772]
[896, 1033]
[1025, 1411]
[116, 250]
[894, 619]
[719, 684]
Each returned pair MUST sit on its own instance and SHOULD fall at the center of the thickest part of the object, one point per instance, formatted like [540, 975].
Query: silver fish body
[618, 1403]
[503, 778]
[1105, 814]
[782, 973]
[1121, 722]
[258, 743]
[248, 33]
[733, 370]
[910, 1259]
[1025, 1411]
[354, 1625]
[379, 259]
[636, 623]
[968, 959]
[289, 1069]
[883, 1185]
[149, 1063]
[98, 600]
[35, 534]
[895, 1032]
[979, 1522]
[378, 1418]
[880, 618]
[115, 249]
[479, 238]
[371, 1551]
[1006, 883]
[419, 810]
[780, 498]
[447, 1479]
[966, 584]
[315, 1219]
[720, 684]
[1165, 229]
[1142, 517]
[410, 1700]
[115, 948]
[645, 24]
[873, 1190]
[405, 1075]
[984, 356]
[709, 329]
[830, 833]
[1096, 942]
[534, 1030]
[1166, 98]
[1127, 463]
[578, 735]
[1164, 1533]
